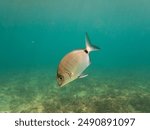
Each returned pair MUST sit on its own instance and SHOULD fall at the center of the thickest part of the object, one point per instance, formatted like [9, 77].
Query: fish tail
[89, 46]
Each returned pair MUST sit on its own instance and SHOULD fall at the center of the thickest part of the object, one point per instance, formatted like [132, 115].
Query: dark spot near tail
[86, 51]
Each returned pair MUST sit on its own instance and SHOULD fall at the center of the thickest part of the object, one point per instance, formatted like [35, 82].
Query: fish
[72, 66]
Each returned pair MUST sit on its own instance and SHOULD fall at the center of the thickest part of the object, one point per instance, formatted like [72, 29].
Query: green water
[35, 35]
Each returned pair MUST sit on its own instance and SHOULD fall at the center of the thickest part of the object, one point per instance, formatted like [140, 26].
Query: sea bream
[74, 63]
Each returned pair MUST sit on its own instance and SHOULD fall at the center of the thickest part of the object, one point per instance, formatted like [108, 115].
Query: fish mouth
[59, 84]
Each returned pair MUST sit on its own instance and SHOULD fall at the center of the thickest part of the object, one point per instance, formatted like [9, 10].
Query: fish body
[74, 63]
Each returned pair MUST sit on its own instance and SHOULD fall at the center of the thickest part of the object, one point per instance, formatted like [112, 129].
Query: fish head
[63, 79]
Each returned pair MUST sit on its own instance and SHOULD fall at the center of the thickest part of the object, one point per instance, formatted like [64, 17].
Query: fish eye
[60, 77]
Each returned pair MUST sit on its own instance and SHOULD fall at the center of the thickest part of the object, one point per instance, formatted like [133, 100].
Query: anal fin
[83, 76]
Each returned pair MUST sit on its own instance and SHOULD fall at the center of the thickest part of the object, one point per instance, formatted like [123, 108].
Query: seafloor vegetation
[37, 91]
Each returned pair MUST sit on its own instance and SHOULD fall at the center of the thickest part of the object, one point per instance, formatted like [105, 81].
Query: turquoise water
[35, 35]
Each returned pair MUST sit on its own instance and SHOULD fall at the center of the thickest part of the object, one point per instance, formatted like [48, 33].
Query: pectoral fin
[83, 76]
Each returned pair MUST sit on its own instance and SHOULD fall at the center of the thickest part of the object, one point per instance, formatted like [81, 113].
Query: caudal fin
[89, 46]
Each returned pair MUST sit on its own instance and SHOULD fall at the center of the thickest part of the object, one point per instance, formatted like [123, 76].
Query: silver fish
[74, 63]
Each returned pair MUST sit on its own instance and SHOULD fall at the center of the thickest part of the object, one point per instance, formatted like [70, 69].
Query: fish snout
[59, 83]
[60, 80]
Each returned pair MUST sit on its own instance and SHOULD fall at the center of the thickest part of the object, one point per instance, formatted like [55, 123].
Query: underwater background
[36, 34]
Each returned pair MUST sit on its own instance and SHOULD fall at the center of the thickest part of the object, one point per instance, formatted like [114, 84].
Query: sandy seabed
[37, 91]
